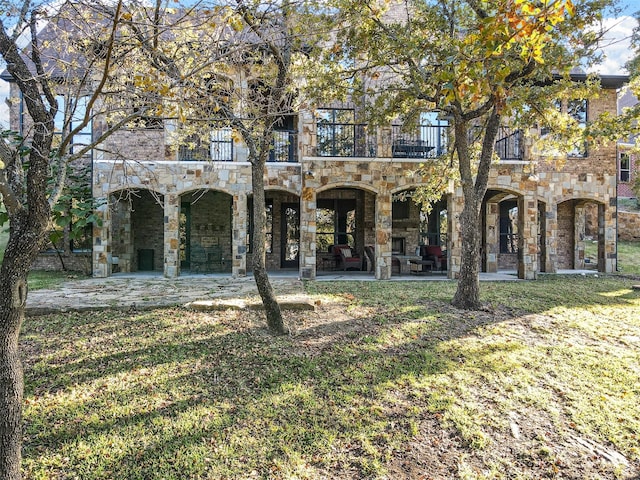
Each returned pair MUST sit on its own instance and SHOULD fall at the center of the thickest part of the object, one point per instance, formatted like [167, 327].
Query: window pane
[578, 110]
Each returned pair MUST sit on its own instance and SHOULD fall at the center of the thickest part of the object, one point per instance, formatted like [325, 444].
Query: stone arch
[509, 232]
[283, 228]
[348, 185]
[575, 249]
[137, 230]
[206, 231]
[344, 215]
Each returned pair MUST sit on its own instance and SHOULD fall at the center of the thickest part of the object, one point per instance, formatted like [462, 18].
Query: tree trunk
[467, 295]
[11, 378]
[271, 306]
[27, 234]
[13, 297]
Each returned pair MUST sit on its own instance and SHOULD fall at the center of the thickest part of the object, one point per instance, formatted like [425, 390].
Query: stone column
[384, 230]
[124, 235]
[607, 237]
[455, 207]
[578, 235]
[527, 237]
[101, 257]
[171, 235]
[551, 237]
[307, 253]
[239, 238]
[492, 236]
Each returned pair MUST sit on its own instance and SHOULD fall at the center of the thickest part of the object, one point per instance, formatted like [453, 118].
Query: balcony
[346, 140]
[509, 146]
[284, 147]
[221, 147]
[423, 141]
[420, 142]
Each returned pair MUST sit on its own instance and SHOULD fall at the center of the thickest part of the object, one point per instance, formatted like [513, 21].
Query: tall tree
[236, 66]
[61, 74]
[478, 63]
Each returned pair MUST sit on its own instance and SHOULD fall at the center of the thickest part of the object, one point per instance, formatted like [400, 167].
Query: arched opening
[580, 236]
[282, 230]
[345, 230]
[137, 231]
[502, 232]
[206, 232]
[419, 234]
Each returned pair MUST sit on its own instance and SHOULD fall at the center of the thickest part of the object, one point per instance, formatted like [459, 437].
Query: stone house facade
[166, 213]
[332, 181]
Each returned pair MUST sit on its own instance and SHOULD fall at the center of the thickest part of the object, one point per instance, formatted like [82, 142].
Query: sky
[616, 51]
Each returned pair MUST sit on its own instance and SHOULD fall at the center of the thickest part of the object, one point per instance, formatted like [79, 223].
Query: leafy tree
[61, 73]
[478, 63]
[235, 66]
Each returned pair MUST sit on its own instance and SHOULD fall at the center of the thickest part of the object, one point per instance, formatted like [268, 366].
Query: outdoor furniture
[403, 148]
[434, 253]
[418, 267]
[348, 258]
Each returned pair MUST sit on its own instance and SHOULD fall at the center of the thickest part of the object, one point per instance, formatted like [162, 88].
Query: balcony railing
[284, 147]
[220, 148]
[509, 146]
[424, 141]
[346, 140]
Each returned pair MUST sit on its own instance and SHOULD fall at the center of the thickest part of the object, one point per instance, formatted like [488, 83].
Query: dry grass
[385, 380]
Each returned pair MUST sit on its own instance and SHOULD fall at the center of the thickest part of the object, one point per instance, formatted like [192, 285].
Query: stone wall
[147, 230]
[629, 226]
[74, 262]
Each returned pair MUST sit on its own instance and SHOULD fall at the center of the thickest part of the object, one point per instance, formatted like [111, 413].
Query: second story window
[577, 109]
[625, 167]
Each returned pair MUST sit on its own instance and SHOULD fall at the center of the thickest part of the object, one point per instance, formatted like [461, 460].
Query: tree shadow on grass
[332, 396]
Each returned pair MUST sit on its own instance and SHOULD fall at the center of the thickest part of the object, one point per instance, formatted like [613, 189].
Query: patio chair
[348, 259]
[434, 252]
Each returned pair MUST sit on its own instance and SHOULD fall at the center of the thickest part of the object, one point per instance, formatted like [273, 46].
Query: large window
[577, 109]
[335, 223]
[625, 167]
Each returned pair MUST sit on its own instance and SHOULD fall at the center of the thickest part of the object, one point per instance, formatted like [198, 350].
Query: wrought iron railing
[423, 141]
[509, 146]
[284, 147]
[219, 148]
[346, 140]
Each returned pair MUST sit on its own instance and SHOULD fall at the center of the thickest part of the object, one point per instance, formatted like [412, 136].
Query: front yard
[384, 380]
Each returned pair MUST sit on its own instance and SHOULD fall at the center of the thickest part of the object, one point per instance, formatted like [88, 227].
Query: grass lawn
[628, 256]
[384, 380]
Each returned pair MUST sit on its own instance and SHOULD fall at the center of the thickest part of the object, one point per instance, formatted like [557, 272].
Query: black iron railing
[509, 146]
[219, 149]
[284, 147]
[346, 140]
[423, 141]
